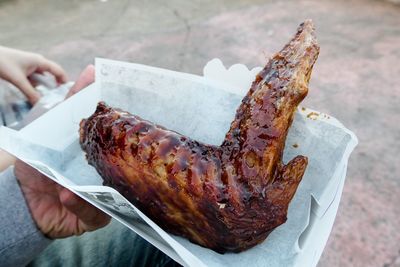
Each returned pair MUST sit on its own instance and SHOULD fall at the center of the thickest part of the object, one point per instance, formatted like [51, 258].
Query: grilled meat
[227, 197]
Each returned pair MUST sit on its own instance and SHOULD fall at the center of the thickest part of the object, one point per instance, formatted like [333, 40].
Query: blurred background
[356, 78]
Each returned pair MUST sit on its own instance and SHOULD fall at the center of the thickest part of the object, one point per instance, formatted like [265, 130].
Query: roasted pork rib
[228, 197]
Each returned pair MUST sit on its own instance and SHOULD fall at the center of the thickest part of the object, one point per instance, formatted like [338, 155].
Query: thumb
[85, 78]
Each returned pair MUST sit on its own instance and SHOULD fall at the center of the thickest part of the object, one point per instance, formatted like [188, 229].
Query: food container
[202, 108]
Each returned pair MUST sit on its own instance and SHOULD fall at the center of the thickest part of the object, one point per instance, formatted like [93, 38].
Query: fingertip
[60, 75]
[105, 220]
[85, 78]
[99, 220]
[63, 78]
[33, 97]
[89, 67]
[67, 198]
[55, 69]
[88, 74]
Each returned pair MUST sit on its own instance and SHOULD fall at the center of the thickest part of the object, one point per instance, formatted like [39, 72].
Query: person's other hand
[17, 66]
[85, 78]
[57, 211]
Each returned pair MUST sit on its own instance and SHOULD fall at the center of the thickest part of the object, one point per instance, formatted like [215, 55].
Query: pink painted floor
[356, 78]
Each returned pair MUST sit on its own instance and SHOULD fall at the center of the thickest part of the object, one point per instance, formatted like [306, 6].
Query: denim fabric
[114, 245]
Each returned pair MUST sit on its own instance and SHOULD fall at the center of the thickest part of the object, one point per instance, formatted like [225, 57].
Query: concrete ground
[356, 78]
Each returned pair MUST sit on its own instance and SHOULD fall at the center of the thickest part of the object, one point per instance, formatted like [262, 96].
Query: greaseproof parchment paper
[201, 108]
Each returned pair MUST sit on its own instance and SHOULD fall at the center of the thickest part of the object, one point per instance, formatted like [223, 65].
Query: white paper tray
[192, 105]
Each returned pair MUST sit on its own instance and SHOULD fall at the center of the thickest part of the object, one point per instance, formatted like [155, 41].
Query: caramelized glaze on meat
[228, 197]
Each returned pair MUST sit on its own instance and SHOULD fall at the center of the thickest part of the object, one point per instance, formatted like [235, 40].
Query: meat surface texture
[228, 197]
